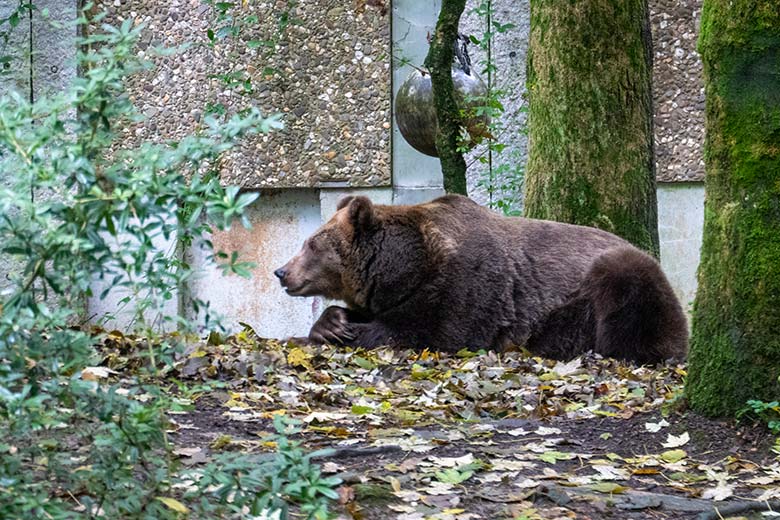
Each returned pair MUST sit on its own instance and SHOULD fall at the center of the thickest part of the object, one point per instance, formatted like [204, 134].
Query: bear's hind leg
[566, 332]
[637, 315]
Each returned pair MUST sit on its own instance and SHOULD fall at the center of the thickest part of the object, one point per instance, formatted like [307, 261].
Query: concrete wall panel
[54, 44]
[678, 90]
[14, 76]
[680, 226]
[113, 313]
[280, 223]
[508, 52]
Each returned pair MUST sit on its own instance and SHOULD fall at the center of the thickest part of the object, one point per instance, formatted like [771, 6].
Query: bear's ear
[361, 213]
[344, 201]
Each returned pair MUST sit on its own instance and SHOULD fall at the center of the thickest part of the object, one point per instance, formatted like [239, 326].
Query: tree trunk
[735, 345]
[439, 63]
[590, 117]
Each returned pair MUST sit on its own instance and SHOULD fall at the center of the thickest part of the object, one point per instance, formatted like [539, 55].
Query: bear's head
[368, 256]
[327, 264]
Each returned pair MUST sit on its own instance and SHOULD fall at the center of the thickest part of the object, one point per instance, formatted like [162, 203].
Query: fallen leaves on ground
[464, 435]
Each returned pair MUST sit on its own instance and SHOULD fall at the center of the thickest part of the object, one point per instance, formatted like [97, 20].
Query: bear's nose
[280, 273]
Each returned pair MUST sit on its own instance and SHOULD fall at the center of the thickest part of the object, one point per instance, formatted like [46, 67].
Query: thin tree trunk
[591, 118]
[735, 344]
[439, 63]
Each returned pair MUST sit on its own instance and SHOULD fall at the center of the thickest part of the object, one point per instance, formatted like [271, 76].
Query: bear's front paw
[332, 327]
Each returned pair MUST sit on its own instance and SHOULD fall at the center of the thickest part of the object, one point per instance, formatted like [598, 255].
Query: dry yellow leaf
[298, 357]
[173, 504]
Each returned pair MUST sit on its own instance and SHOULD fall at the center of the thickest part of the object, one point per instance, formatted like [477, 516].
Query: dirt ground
[369, 471]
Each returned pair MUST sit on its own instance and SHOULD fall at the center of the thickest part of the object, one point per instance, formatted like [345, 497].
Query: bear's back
[463, 220]
[540, 262]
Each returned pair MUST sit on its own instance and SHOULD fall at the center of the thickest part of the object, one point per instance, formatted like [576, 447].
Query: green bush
[290, 477]
[768, 413]
[78, 206]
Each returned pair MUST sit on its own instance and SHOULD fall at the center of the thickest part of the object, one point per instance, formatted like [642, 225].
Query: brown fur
[450, 274]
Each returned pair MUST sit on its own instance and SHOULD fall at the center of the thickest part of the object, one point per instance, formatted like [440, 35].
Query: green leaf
[453, 476]
[553, 456]
[361, 409]
[364, 363]
[673, 456]
[608, 487]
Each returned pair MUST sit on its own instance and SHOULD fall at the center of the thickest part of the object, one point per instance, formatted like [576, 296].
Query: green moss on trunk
[590, 117]
[735, 345]
[439, 63]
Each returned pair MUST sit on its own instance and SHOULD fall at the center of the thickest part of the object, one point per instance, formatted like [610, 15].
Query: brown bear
[450, 274]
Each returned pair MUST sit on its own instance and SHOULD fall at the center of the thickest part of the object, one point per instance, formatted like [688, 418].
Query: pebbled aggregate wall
[678, 90]
[328, 74]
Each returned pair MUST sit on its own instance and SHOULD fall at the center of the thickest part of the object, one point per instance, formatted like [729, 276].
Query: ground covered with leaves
[469, 436]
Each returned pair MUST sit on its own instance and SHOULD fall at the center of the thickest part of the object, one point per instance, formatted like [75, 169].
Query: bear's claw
[332, 327]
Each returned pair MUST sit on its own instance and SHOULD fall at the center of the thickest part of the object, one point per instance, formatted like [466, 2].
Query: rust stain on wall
[281, 220]
[253, 245]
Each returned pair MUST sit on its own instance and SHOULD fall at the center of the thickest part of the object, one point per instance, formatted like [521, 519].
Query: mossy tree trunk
[591, 118]
[735, 344]
[439, 63]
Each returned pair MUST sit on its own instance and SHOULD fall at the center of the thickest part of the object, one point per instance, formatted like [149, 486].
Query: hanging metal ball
[415, 113]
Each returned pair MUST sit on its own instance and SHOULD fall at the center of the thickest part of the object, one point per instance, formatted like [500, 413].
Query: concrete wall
[678, 90]
[680, 224]
[280, 223]
[48, 69]
[508, 52]
[117, 309]
[416, 176]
